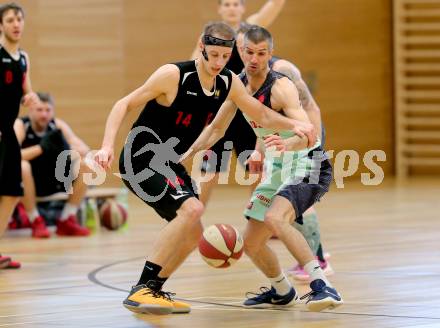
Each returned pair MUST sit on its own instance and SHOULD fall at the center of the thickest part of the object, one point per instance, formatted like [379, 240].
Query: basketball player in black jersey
[15, 86]
[310, 226]
[279, 198]
[180, 100]
[239, 131]
[42, 138]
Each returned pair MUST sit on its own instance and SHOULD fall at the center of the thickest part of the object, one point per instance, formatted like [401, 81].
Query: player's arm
[256, 159]
[267, 14]
[72, 139]
[214, 131]
[28, 153]
[30, 97]
[309, 104]
[265, 116]
[162, 82]
[285, 95]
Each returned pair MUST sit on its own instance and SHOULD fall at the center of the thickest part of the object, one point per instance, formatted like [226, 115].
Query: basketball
[113, 215]
[221, 245]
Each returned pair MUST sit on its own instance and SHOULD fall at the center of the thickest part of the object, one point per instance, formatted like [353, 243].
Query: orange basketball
[221, 245]
[113, 215]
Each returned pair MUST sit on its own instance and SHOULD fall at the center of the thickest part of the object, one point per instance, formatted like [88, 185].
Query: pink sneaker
[298, 273]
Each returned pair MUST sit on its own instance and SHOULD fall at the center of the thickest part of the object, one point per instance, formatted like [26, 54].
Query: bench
[95, 193]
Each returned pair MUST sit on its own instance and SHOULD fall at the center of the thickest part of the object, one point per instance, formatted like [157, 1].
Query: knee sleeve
[310, 231]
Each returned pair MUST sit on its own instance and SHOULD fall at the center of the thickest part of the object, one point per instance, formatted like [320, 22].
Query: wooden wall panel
[76, 50]
[77, 55]
[343, 48]
[417, 85]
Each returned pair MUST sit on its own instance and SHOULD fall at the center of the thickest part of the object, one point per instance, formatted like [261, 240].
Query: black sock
[150, 272]
[161, 281]
[320, 253]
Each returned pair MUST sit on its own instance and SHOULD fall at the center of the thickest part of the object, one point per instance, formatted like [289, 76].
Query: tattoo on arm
[304, 94]
[303, 91]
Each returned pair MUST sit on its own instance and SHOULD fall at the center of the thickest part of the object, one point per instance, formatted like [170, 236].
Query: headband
[209, 40]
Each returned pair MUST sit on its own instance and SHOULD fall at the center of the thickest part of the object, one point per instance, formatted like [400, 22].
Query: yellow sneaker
[180, 307]
[145, 300]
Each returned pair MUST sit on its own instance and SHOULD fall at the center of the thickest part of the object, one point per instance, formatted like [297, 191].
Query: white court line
[300, 303]
[236, 300]
[242, 309]
[296, 309]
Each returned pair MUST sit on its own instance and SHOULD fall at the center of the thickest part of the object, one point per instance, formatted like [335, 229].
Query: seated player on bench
[42, 138]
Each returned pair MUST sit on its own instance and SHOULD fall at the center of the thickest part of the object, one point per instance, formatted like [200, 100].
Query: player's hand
[255, 162]
[104, 157]
[53, 142]
[306, 129]
[30, 99]
[275, 142]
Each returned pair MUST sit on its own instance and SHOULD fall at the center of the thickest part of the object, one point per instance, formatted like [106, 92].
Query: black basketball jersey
[44, 161]
[31, 137]
[264, 92]
[12, 77]
[235, 63]
[189, 113]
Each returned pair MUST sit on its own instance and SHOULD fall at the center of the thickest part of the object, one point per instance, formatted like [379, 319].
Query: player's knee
[193, 211]
[26, 168]
[197, 209]
[274, 222]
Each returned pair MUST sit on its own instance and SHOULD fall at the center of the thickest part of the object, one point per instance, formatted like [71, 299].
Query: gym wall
[89, 53]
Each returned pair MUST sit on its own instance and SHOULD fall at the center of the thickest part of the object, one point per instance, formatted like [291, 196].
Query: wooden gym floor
[384, 241]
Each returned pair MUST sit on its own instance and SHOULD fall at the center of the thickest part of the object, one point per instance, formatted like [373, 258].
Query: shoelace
[159, 293]
[263, 290]
[307, 295]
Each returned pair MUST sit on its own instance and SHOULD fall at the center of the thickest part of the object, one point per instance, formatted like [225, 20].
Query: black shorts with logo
[164, 194]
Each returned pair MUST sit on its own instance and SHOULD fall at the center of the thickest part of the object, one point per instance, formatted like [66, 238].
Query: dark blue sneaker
[269, 298]
[322, 297]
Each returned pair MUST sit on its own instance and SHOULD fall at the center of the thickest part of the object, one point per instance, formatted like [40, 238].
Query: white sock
[281, 284]
[314, 270]
[68, 210]
[33, 214]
